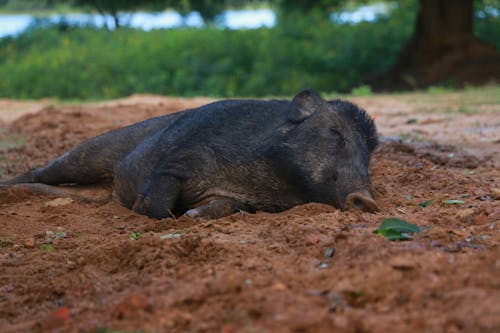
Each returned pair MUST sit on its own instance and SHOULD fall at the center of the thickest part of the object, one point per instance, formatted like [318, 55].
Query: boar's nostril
[361, 201]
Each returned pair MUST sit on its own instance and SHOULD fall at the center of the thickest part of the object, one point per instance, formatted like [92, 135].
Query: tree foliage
[308, 5]
[113, 7]
[303, 49]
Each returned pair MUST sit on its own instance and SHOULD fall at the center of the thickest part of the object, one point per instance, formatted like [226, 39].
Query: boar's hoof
[215, 209]
[361, 201]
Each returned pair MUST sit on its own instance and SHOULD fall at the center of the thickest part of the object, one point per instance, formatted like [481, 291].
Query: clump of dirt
[75, 266]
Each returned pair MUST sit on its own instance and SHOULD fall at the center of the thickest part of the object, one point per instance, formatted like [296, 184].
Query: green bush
[301, 51]
[364, 90]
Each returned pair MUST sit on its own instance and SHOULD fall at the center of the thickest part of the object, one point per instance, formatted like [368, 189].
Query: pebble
[465, 214]
[329, 252]
[170, 236]
[59, 202]
[279, 286]
[29, 243]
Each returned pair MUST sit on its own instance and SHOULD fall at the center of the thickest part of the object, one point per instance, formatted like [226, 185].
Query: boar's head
[326, 150]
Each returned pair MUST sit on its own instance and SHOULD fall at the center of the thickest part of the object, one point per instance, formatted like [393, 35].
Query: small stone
[29, 243]
[49, 236]
[279, 286]
[465, 214]
[60, 234]
[329, 252]
[170, 236]
[337, 303]
[316, 238]
[59, 202]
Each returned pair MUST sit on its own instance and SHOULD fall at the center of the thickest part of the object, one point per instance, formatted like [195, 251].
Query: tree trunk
[443, 49]
[116, 19]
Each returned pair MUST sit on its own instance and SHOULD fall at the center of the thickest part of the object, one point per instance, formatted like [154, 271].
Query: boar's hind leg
[74, 167]
[215, 209]
[158, 196]
[87, 193]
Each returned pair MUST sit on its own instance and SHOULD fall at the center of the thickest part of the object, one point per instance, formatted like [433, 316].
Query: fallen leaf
[396, 229]
[453, 202]
[426, 203]
[136, 235]
[62, 313]
[56, 319]
[47, 247]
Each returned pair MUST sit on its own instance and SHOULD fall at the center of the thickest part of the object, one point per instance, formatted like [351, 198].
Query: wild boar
[226, 156]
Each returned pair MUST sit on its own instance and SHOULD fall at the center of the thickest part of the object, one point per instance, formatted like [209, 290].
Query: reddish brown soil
[76, 267]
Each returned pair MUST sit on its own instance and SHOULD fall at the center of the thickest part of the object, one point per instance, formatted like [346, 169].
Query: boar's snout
[361, 200]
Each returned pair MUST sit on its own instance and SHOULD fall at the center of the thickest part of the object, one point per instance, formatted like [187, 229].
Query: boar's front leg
[158, 196]
[217, 208]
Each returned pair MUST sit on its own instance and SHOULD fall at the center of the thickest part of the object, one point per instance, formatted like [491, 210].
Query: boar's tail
[89, 193]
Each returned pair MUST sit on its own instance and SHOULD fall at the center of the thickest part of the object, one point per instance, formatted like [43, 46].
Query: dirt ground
[67, 266]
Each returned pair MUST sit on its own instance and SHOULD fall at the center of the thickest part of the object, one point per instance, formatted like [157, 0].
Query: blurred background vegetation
[305, 48]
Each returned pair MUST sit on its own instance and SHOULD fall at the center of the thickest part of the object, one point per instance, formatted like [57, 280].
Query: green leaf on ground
[426, 203]
[48, 247]
[136, 235]
[453, 202]
[396, 229]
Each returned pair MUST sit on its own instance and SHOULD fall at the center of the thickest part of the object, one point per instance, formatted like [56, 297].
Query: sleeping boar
[226, 156]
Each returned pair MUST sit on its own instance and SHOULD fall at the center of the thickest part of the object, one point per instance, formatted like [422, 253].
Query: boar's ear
[304, 105]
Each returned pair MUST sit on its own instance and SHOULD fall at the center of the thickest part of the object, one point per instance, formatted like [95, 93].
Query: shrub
[301, 51]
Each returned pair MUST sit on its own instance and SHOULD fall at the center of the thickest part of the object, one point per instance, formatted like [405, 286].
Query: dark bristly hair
[360, 117]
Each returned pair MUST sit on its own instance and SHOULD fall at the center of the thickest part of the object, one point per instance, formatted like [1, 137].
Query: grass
[475, 100]
[364, 90]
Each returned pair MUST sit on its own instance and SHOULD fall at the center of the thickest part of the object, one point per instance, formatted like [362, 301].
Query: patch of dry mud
[70, 266]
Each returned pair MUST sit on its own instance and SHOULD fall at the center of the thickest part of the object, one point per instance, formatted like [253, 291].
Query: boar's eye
[335, 175]
[338, 135]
